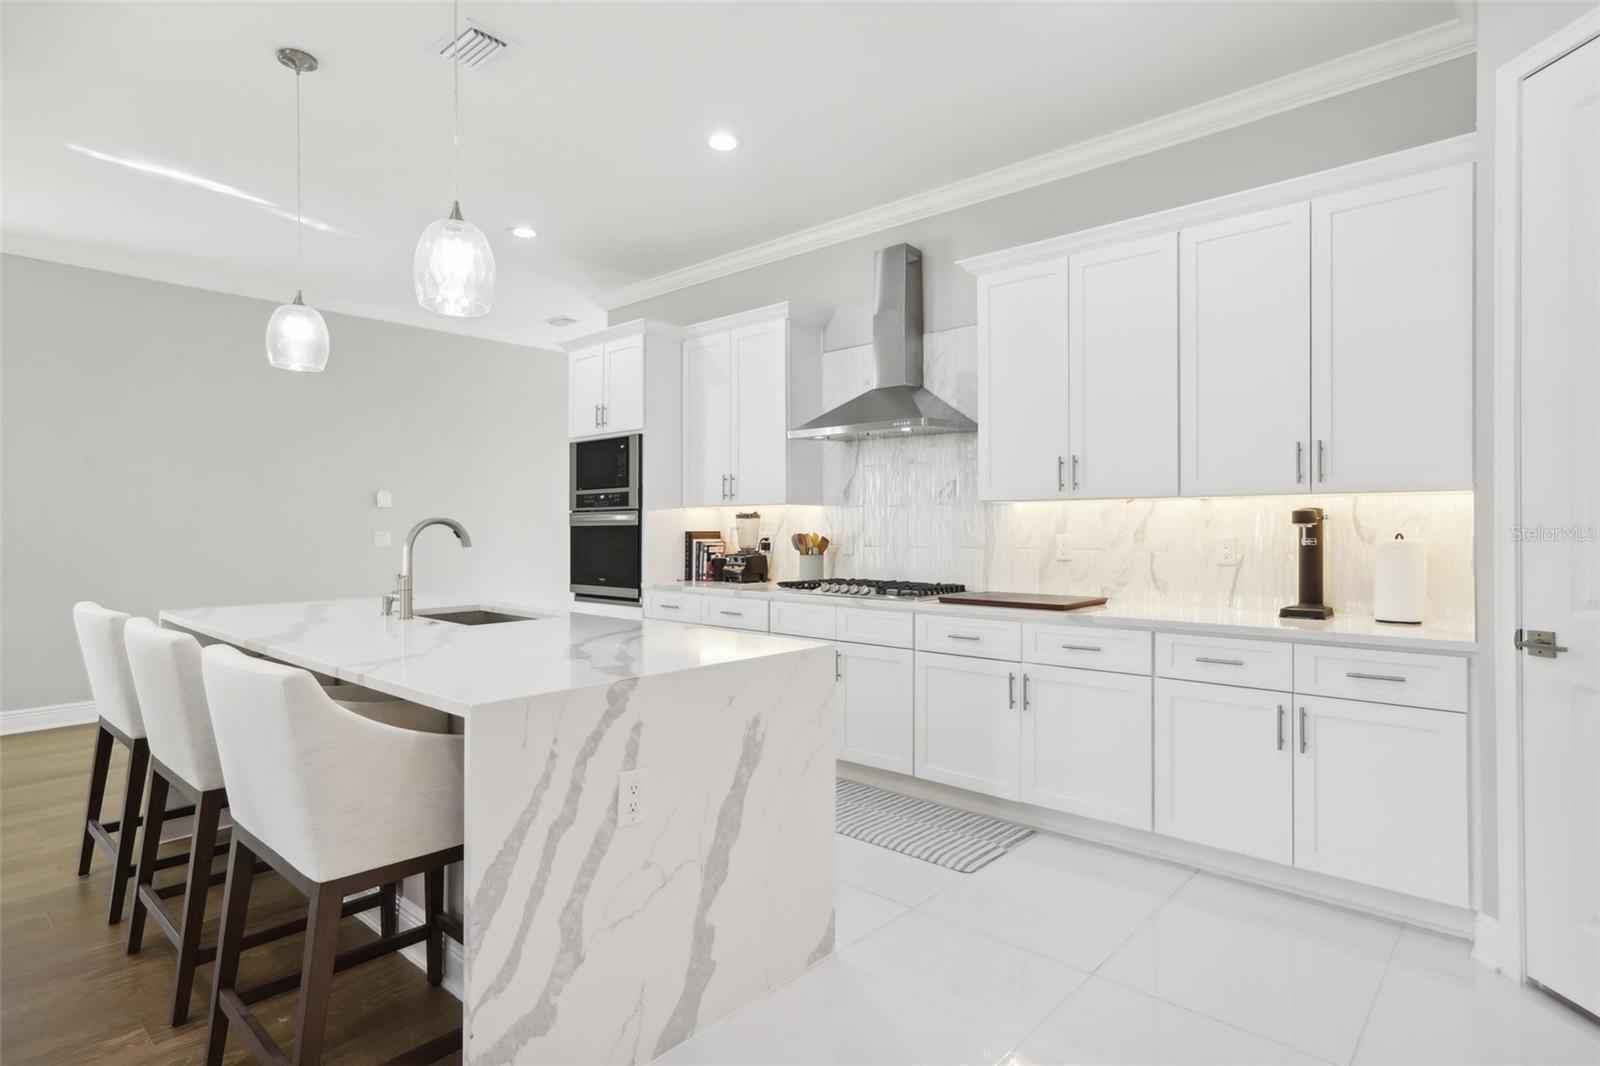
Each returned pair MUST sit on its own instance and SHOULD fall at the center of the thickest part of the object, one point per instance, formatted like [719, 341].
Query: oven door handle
[605, 518]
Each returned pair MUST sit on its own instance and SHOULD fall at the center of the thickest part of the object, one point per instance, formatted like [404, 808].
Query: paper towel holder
[1412, 617]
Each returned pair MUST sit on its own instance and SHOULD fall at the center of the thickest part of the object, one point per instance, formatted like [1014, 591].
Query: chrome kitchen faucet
[402, 595]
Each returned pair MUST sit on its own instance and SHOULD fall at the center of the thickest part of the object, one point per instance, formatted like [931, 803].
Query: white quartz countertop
[457, 668]
[1352, 629]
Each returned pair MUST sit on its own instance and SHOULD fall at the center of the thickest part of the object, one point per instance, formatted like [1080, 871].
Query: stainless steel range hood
[898, 403]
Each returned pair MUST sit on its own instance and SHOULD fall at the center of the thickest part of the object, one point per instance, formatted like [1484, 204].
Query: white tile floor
[1064, 952]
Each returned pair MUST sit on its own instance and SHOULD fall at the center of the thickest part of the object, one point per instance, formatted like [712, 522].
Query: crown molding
[1390, 59]
[648, 327]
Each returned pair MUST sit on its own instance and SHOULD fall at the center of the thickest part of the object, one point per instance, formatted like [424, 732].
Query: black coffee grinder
[1309, 520]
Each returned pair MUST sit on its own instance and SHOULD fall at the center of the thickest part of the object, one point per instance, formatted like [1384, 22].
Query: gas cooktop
[860, 586]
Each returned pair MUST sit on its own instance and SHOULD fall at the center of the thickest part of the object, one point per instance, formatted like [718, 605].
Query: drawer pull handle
[963, 636]
[732, 614]
[1374, 677]
[1218, 662]
[1081, 647]
[669, 607]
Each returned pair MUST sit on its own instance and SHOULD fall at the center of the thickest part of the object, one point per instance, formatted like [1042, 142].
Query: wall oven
[606, 555]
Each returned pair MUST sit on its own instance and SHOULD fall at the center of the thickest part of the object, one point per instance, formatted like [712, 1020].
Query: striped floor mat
[945, 836]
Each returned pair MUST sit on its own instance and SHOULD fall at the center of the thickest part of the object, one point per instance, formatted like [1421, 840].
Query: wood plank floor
[69, 992]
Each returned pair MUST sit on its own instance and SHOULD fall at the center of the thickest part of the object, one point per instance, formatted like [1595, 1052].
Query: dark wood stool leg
[230, 941]
[100, 770]
[155, 811]
[316, 972]
[207, 815]
[433, 905]
[388, 910]
[138, 769]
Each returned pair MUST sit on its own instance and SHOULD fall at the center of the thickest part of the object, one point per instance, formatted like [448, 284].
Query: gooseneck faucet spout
[403, 594]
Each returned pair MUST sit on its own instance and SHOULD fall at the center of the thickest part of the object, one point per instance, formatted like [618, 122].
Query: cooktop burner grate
[858, 586]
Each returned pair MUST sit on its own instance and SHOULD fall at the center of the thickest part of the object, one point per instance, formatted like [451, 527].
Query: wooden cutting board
[1022, 599]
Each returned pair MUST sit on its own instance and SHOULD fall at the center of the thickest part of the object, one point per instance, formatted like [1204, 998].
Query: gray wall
[151, 458]
[1429, 105]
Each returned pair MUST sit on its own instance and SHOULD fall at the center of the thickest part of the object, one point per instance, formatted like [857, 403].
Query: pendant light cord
[298, 256]
[455, 100]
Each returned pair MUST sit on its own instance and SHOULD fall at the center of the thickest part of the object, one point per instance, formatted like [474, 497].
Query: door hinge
[1540, 643]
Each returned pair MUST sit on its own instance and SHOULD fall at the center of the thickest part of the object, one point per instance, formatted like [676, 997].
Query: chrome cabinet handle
[1061, 473]
[838, 665]
[1080, 647]
[1322, 461]
[963, 636]
[732, 614]
[1299, 462]
[669, 607]
[596, 416]
[1074, 473]
[1218, 662]
[1024, 691]
[1374, 677]
[1302, 731]
[1280, 727]
[1012, 683]
[724, 486]
[733, 487]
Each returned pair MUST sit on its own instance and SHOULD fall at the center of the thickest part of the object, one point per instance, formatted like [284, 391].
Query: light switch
[380, 539]
[382, 498]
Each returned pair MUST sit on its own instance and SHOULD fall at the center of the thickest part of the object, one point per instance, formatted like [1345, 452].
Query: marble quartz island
[590, 940]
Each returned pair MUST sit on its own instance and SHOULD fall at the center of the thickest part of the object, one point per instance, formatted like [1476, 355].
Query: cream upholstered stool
[336, 803]
[121, 721]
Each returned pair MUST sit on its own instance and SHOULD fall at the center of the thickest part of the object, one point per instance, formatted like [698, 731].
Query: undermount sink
[477, 617]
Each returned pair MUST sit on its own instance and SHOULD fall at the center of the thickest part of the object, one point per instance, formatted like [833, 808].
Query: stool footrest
[439, 1047]
[343, 961]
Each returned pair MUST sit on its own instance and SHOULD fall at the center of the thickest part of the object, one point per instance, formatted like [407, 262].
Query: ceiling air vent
[561, 320]
[472, 48]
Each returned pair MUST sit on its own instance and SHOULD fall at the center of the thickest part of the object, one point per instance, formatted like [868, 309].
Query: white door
[624, 402]
[760, 470]
[875, 706]
[1560, 494]
[1123, 370]
[1391, 334]
[1244, 360]
[1086, 743]
[586, 391]
[1380, 795]
[1223, 767]
[707, 420]
[1022, 383]
[966, 723]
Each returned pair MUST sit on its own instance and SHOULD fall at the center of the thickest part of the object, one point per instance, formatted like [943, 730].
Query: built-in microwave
[604, 473]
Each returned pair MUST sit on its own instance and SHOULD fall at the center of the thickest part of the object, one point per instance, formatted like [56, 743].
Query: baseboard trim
[56, 716]
[1487, 947]
[409, 916]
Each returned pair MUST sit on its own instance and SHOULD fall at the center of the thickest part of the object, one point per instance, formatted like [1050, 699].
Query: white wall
[150, 458]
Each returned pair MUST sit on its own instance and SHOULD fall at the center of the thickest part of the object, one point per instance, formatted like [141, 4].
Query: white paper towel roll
[1400, 585]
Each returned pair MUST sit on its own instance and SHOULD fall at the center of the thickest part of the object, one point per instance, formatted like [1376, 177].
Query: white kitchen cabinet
[760, 468]
[967, 723]
[605, 388]
[875, 706]
[707, 419]
[1380, 795]
[586, 390]
[1122, 359]
[1391, 338]
[1244, 327]
[618, 377]
[1085, 742]
[1224, 767]
[1023, 382]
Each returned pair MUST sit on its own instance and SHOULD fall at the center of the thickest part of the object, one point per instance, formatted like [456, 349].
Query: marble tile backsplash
[908, 507]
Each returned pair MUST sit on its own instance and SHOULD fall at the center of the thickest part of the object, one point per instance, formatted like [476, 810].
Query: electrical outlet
[380, 539]
[633, 796]
[1227, 551]
[1063, 548]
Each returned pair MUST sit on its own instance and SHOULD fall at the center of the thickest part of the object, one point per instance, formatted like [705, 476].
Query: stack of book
[699, 548]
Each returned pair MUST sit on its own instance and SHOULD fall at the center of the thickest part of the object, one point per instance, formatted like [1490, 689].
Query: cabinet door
[1244, 360]
[707, 429]
[1123, 368]
[966, 723]
[586, 390]
[760, 465]
[1086, 743]
[1391, 340]
[1223, 767]
[875, 706]
[1380, 795]
[1022, 383]
[624, 402]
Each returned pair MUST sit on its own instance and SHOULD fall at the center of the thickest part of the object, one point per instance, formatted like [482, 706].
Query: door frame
[1502, 942]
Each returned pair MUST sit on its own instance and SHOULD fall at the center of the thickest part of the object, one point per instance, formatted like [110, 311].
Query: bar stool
[106, 661]
[335, 803]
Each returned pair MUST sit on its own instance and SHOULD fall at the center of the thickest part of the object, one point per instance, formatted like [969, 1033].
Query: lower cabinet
[1380, 795]
[967, 723]
[873, 706]
[1086, 743]
[1224, 767]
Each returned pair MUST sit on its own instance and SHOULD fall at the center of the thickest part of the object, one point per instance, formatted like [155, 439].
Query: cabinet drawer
[1225, 660]
[675, 607]
[736, 613]
[986, 638]
[863, 625]
[1409, 678]
[802, 619]
[1125, 651]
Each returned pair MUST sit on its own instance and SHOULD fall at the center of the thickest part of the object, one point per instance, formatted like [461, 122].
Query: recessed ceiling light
[723, 142]
[526, 233]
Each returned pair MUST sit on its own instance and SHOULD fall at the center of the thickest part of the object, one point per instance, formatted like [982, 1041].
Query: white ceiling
[590, 127]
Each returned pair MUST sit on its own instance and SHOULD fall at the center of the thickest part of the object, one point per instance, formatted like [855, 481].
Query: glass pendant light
[297, 337]
[453, 270]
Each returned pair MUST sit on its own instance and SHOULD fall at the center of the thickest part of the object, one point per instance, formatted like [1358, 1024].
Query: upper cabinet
[746, 379]
[607, 379]
[1314, 336]
[1391, 334]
